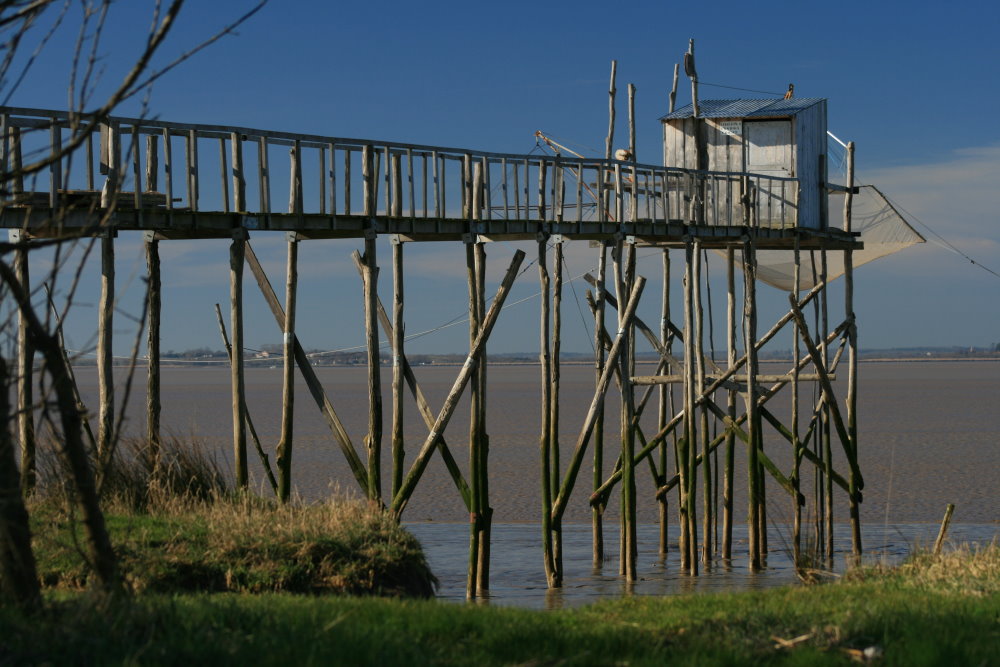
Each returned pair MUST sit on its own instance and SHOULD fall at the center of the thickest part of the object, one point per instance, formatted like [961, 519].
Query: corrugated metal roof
[745, 108]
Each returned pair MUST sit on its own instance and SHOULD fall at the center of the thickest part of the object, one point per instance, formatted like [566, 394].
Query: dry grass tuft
[964, 570]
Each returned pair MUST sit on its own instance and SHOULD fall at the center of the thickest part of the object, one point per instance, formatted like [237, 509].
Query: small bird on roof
[623, 154]
[791, 91]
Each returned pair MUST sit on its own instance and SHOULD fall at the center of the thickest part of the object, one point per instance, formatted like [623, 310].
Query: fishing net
[883, 232]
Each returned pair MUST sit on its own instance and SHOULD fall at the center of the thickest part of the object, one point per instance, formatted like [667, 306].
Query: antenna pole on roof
[689, 69]
[673, 89]
[611, 111]
[631, 121]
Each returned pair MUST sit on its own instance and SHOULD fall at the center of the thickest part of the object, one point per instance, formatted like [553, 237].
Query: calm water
[928, 436]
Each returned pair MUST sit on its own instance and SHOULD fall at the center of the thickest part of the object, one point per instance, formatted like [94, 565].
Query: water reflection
[518, 578]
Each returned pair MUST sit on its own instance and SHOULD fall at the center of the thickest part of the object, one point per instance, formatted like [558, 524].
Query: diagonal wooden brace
[309, 375]
[422, 406]
[451, 401]
[559, 506]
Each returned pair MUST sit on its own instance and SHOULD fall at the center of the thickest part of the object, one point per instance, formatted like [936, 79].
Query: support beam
[283, 455]
[451, 401]
[25, 375]
[153, 338]
[237, 251]
[105, 355]
[309, 375]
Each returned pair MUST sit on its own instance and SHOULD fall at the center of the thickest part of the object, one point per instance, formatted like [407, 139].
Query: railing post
[239, 178]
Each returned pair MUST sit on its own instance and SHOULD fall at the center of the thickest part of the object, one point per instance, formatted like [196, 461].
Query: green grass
[248, 546]
[933, 611]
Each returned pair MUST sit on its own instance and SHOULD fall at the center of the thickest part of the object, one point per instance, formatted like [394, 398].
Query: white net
[883, 232]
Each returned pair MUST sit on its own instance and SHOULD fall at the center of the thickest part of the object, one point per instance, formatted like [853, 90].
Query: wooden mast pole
[852, 360]
[597, 515]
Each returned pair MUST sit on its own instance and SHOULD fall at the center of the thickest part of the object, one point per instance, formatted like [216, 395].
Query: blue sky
[912, 84]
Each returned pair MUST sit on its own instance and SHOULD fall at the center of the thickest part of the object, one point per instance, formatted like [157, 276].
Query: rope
[749, 90]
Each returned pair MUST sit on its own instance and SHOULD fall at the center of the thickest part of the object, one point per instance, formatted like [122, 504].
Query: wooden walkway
[205, 181]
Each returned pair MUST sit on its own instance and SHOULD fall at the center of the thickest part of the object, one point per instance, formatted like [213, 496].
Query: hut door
[769, 154]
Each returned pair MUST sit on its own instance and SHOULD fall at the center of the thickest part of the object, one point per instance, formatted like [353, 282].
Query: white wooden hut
[773, 139]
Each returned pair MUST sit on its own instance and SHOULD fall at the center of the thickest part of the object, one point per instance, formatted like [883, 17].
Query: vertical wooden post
[25, 364]
[485, 511]
[471, 585]
[852, 360]
[665, 407]
[554, 372]
[153, 345]
[551, 573]
[727, 484]
[608, 143]
[192, 169]
[690, 481]
[827, 441]
[284, 449]
[597, 512]
[706, 461]
[152, 162]
[105, 358]
[753, 416]
[239, 177]
[398, 337]
[373, 441]
[796, 444]
[237, 253]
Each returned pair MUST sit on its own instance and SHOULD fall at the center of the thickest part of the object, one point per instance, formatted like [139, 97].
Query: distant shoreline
[276, 363]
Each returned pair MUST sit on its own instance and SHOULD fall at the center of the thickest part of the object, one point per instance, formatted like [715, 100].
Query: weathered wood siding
[809, 135]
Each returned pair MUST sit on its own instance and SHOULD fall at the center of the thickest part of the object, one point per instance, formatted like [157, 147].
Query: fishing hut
[744, 178]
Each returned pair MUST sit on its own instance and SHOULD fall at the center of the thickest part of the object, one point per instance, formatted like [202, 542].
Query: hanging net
[883, 232]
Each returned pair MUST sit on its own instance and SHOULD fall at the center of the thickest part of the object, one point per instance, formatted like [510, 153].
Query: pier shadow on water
[518, 579]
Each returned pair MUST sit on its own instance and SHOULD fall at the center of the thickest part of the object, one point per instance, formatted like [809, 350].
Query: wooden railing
[145, 164]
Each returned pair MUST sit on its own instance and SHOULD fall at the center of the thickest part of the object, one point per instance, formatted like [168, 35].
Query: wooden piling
[451, 400]
[730, 437]
[397, 338]
[665, 404]
[485, 510]
[105, 358]
[706, 461]
[597, 512]
[554, 370]
[796, 443]
[25, 375]
[852, 360]
[475, 316]
[153, 345]
[373, 441]
[545, 439]
[237, 252]
[283, 454]
[943, 531]
[261, 454]
[753, 418]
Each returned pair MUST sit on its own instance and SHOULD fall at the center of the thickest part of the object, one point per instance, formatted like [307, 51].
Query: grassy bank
[244, 545]
[931, 611]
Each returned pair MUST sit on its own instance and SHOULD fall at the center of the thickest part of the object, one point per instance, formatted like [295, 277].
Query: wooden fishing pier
[171, 181]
